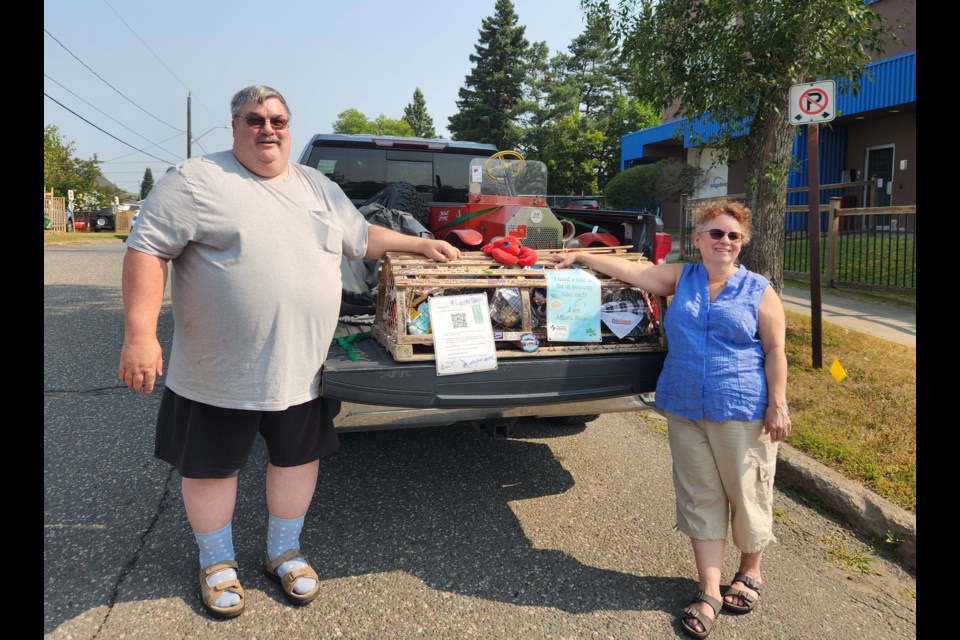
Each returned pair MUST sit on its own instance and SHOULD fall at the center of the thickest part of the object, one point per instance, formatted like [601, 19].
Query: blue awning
[885, 84]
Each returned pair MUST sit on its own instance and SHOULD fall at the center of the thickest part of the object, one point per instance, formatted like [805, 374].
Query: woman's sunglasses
[716, 234]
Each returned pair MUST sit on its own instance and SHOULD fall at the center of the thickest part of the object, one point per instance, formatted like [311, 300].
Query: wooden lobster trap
[516, 298]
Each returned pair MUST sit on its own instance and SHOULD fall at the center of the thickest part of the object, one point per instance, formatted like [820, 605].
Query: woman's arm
[773, 338]
[660, 280]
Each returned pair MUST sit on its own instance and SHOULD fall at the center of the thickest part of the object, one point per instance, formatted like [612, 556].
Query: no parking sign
[812, 102]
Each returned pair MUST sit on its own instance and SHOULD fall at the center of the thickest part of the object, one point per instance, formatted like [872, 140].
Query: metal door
[879, 163]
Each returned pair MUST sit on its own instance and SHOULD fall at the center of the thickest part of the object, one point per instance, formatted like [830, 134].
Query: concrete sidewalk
[890, 323]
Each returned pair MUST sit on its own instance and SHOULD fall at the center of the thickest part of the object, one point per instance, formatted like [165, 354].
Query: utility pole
[189, 132]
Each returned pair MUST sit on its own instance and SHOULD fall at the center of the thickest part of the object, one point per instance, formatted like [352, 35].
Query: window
[363, 165]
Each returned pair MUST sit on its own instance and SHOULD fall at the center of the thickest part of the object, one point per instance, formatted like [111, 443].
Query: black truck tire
[403, 196]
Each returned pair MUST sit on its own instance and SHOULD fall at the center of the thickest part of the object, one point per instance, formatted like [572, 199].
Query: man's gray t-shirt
[255, 281]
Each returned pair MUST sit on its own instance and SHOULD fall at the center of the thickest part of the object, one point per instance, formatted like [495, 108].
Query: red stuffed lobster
[508, 250]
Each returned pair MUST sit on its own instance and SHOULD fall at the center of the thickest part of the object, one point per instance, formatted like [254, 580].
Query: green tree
[146, 184]
[732, 63]
[392, 126]
[492, 94]
[598, 80]
[648, 185]
[57, 160]
[632, 189]
[62, 172]
[580, 96]
[353, 121]
[415, 114]
[571, 151]
[623, 114]
[536, 111]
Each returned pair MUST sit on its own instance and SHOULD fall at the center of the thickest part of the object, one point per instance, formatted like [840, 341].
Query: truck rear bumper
[365, 417]
[376, 392]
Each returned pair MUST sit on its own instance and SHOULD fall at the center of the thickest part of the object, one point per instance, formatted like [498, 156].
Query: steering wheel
[511, 165]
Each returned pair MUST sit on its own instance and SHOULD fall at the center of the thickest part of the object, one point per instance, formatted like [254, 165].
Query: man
[255, 243]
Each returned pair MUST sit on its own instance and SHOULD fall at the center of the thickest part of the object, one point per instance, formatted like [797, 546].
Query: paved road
[557, 532]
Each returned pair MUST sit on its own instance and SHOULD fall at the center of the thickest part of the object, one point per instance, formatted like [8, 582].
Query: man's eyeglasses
[258, 122]
[716, 234]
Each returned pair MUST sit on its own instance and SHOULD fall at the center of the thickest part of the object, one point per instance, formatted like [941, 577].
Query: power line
[127, 155]
[105, 131]
[155, 144]
[108, 84]
[147, 47]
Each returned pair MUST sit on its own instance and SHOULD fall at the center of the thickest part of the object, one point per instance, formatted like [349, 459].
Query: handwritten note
[462, 334]
[573, 306]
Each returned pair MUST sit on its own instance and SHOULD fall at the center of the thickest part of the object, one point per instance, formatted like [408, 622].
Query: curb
[863, 510]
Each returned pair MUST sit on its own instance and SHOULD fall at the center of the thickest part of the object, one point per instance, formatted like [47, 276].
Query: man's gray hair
[254, 93]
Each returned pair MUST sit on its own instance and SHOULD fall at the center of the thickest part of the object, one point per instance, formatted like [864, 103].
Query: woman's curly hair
[735, 210]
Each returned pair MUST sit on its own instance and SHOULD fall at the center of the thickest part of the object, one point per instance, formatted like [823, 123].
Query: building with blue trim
[872, 138]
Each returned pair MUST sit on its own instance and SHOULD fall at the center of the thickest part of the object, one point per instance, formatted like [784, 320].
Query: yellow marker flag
[837, 370]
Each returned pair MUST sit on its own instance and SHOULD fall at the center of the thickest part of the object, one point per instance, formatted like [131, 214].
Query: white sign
[462, 334]
[812, 102]
[573, 306]
[70, 195]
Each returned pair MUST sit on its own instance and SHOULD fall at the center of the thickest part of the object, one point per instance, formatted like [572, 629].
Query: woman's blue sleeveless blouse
[714, 365]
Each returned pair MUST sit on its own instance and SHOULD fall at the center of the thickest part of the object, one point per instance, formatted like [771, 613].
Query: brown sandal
[211, 594]
[290, 578]
[691, 612]
[750, 600]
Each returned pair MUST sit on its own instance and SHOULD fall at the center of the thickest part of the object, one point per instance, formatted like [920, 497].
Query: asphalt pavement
[559, 531]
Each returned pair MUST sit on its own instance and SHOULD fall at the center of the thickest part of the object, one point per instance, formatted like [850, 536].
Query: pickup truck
[377, 391]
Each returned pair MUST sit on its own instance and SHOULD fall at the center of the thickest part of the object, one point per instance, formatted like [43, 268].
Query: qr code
[459, 320]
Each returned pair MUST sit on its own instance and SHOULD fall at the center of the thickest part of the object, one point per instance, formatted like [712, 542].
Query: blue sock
[283, 534]
[217, 546]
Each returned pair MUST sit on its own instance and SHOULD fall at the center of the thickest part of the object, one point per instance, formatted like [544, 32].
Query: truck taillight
[661, 247]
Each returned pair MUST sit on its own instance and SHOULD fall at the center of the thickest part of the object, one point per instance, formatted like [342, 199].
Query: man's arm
[141, 358]
[380, 240]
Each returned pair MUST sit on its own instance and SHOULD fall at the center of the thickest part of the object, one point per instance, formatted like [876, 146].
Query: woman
[723, 390]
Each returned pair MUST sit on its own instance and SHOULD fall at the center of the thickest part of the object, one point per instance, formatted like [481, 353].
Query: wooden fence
[55, 209]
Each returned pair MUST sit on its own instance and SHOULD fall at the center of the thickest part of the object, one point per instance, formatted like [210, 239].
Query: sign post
[812, 103]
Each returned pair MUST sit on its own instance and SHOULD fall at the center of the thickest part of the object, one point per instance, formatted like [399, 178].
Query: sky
[118, 73]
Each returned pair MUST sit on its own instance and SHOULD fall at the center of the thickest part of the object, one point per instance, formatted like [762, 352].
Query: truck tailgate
[376, 378]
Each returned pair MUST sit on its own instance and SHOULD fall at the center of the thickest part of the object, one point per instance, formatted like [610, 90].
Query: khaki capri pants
[722, 476]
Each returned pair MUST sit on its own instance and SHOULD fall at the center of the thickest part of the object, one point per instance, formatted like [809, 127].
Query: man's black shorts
[203, 441]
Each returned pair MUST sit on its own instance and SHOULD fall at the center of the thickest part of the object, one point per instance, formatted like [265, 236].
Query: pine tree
[415, 114]
[492, 94]
[147, 184]
[594, 79]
